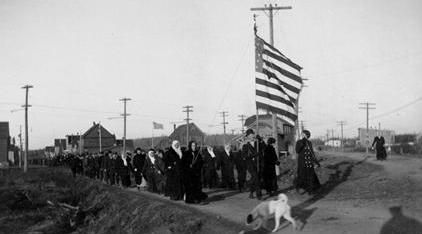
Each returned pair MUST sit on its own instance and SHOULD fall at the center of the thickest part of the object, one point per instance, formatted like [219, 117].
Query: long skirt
[307, 179]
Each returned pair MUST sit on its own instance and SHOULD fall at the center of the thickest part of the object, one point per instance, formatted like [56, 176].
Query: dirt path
[357, 202]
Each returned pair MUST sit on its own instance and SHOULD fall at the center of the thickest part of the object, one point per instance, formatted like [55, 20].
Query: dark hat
[271, 140]
[249, 132]
[307, 133]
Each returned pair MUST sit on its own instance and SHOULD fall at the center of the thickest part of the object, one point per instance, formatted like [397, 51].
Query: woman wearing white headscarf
[152, 172]
[172, 162]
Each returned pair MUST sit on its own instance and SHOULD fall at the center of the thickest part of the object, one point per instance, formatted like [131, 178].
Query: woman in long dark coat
[172, 161]
[379, 143]
[209, 170]
[124, 167]
[269, 162]
[138, 165]
[152, 172]
[306, 177]
[226, 163]
[192, 166]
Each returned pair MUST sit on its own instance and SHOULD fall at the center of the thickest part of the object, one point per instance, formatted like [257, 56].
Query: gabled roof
[193, 131]
[95, 127]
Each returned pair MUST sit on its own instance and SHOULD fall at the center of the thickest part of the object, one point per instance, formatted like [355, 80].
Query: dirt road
[359, 196]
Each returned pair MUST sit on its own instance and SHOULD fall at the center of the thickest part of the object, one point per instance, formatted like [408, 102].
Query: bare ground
[358, 196]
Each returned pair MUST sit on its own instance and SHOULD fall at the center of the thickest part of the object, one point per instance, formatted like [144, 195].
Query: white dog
[265, 210]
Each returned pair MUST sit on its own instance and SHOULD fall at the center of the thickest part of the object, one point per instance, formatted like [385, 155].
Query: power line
[232, 78]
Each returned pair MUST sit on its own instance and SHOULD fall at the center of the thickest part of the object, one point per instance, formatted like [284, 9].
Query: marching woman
[172, 162]
[269, 162]
[209, 170]
[306, 177]
[192, 165]
[152, 172]
[138, 165]
[124, 169]
[227, 167]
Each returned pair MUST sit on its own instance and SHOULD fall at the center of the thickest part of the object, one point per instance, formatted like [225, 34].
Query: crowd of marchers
[182, 173]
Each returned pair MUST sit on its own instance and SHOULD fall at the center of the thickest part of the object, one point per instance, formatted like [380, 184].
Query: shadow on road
[399, 223]
[335, 179]
[219, 197]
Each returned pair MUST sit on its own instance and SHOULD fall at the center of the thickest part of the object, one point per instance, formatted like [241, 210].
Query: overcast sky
[83, 55]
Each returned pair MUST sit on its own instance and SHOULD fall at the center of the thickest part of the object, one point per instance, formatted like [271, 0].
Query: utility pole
[25, 163]
[80, 143]
[341, 123]
[367, 106]
[188, 109]
[270, 8]
[224, 114]
[20, 146]
[302, 125]
[242, 121]
[124, 100]
[99, 134]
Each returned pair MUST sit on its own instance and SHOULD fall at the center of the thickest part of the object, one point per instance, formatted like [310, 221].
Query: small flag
[157, 125]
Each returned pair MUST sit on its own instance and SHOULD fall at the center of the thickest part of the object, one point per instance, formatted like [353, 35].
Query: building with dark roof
[195, 134]
[285, 130]
[91, 139]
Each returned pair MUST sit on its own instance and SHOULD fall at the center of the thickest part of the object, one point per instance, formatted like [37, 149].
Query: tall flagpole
[152, 136]
[257, 114]
[270, 10]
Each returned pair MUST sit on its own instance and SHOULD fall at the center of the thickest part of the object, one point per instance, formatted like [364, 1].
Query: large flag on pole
[278, 82]
[157, 125]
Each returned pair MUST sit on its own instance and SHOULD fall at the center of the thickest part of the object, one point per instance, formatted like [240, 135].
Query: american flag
[157, 125]
[278, 82]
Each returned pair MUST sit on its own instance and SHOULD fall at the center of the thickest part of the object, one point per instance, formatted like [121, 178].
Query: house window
[287, 129]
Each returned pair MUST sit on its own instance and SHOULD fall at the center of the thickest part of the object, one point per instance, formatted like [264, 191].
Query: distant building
[194, 134]
[364, 141]
[59, 146]
[49, 152]
[160, 142]
[73, 143]
[91, 139]
[285, 130]
[118, 147]
[333, 143]
[4, 143]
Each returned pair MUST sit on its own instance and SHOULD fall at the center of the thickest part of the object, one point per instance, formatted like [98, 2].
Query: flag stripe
[273, 97]
[278, 82]
[284, 84]
[276, 104]
[282, 59]
[283, 72]
[285, 67]
[281, 55]
[289, 121]
[275, 110]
